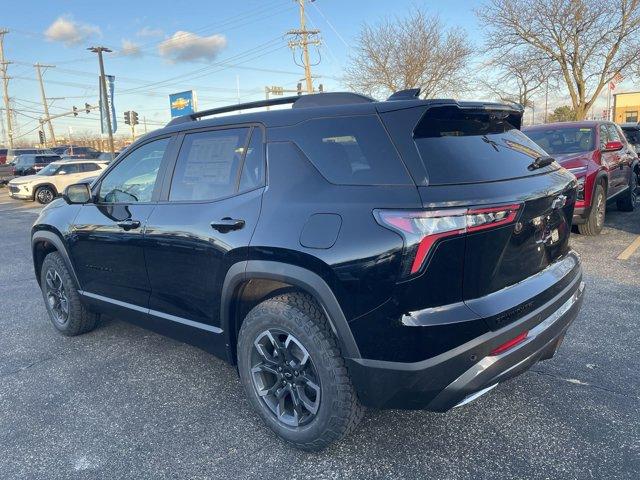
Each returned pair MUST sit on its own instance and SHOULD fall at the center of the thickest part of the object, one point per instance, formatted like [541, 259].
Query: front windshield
[564, 140]
[48, 170]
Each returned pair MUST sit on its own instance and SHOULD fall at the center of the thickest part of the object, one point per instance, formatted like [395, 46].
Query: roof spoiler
[408, 94]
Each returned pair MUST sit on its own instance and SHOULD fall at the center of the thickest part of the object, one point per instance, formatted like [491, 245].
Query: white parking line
[630, 250]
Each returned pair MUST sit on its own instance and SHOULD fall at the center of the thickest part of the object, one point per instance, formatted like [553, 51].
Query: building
[626, 107]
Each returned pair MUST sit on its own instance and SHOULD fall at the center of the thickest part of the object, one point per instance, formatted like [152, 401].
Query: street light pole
[104, 96]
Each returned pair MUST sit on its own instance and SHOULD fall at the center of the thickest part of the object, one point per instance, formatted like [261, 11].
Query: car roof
[630, 126]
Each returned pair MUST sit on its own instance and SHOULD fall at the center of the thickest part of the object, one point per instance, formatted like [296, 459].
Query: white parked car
[51, 181]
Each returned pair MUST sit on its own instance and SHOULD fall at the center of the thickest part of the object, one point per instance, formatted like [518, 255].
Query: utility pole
[546, 101]
[302, 39]
[5, 87]
[45, 104]
[104, 95]
[144, 120]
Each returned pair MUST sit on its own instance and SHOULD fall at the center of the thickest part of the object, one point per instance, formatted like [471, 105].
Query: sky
[214, 47]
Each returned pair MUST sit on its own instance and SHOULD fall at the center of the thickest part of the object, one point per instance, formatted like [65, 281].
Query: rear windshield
[352, 151]
[562, 140]
[472, 146]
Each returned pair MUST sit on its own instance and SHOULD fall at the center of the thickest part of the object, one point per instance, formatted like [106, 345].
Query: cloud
[186, 46]
[149, 32]
[130, 49]
[66, 30]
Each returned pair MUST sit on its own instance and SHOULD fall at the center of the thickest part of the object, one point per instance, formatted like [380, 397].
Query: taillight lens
[509, 344]
[421, 229]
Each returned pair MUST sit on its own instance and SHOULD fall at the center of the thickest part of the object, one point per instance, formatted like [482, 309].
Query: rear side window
[70, 169]
[352, 151]
[470, 146]
[208, 165]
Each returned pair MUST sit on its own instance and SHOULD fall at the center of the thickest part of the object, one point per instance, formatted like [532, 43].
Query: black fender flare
[293, 275]
[56, 241]
[599, 176]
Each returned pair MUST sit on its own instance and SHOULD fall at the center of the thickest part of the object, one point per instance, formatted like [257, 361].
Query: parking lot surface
[121, 402]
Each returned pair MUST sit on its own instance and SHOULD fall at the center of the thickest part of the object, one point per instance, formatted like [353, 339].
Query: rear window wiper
[541, 161]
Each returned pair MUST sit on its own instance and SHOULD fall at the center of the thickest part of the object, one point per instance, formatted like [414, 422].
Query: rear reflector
[421, 229]
[510, 344]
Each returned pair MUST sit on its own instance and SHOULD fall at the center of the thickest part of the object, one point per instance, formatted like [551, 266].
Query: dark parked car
[81, 152]
[12, 153]
[399, 254]
[3, 155]
[30, 164]
[603, 161]
[632, 132]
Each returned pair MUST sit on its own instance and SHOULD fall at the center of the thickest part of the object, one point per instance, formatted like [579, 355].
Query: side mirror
[77, 193]
[613, 146]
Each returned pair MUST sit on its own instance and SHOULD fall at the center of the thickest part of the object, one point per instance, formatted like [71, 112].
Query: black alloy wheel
[285, 378]
[56, 296]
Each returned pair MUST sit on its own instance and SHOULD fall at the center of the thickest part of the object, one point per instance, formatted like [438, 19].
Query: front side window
[133, 179]
[613, 133]
[208, 165]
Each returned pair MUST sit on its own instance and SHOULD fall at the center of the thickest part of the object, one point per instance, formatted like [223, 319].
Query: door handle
[227, 224]
[129, 224]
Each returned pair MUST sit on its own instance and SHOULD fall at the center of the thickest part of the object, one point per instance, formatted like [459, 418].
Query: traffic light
[41, 135]
[127, 118]
[75, 111]
[134, 118]
[299, 88]
[87, 108]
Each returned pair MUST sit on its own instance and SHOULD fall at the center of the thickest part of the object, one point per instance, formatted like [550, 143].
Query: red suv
[599, 155]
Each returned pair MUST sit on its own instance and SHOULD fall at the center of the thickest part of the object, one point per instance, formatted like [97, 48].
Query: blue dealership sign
[183, 103]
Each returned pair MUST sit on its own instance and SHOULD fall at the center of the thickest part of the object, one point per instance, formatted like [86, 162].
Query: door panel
[204, 225]
[109, 259]
[187, 259]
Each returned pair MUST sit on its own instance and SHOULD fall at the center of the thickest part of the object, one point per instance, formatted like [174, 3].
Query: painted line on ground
[630, 250]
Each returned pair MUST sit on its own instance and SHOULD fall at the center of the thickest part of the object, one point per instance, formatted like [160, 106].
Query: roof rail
[408, 94]
[299, 101]
[331, 98]
[232, 108]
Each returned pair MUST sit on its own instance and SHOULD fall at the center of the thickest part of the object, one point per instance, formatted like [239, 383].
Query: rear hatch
[477, 159]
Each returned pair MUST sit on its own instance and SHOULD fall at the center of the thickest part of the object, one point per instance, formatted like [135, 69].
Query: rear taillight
[422, 229]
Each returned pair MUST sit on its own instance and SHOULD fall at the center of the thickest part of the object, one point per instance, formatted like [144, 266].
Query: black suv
[342, 253]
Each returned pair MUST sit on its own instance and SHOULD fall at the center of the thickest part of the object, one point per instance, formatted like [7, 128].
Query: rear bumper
[462, 374]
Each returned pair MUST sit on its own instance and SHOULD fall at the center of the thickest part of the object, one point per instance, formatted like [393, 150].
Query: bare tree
[515, 77]
[588, 41]
[416, 51]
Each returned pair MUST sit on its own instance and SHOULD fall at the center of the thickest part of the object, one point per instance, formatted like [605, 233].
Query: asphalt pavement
[121, 402]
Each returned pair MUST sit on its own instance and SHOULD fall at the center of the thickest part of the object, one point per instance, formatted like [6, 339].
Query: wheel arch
[250, 282]
[44, 242]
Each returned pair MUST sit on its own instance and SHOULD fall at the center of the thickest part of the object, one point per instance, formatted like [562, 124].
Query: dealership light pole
[104, 96]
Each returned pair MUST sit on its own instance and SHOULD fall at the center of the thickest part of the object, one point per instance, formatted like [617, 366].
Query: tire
[628, 201]
[595, 222]
[61, 298]
[44, 195]
[295, 319]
